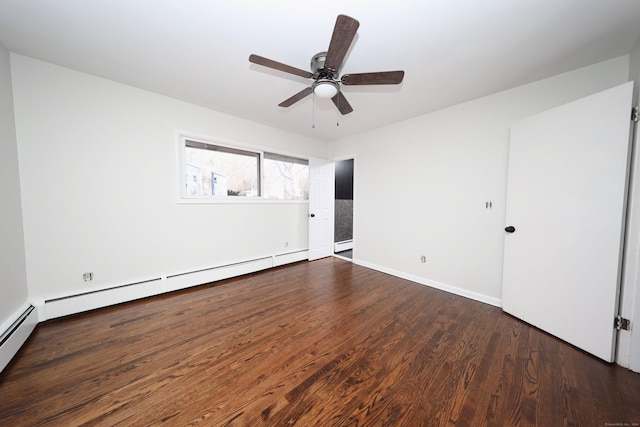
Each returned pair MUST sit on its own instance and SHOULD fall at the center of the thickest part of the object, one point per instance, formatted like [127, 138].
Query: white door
[321, 189]
[566, 200]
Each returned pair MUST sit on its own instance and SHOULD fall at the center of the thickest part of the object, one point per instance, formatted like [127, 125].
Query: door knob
[510, 229]
[312, 215]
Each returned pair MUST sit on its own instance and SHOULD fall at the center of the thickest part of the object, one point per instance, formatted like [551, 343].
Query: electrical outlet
[423, 259]
[87, 277]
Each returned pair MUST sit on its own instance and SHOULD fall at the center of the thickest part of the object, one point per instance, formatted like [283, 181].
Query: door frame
[628, 343]
[339, 159]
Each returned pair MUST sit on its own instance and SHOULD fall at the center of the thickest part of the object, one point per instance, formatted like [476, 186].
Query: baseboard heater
[77, 303]
[343, 245]
[17, 334]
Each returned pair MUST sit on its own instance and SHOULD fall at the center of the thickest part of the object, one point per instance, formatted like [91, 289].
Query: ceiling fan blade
[279, 66]
[343, 34]
[380, 78]
[297, 97]
[341, 102]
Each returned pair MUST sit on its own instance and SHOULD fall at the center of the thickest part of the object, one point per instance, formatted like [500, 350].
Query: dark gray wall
[344, 201]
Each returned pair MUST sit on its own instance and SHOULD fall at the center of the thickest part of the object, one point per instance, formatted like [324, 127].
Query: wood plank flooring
[325, 343]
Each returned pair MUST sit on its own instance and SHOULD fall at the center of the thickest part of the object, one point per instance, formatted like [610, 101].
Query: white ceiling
[197, 51]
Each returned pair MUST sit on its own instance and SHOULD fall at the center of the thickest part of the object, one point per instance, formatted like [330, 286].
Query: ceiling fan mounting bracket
[318, 69]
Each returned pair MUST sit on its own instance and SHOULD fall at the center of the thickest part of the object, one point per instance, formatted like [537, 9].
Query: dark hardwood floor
[325, 343]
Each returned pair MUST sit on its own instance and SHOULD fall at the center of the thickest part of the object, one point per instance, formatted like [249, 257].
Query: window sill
[238, 200]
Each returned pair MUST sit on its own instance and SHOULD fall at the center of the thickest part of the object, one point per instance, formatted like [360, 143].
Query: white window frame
[183, 137]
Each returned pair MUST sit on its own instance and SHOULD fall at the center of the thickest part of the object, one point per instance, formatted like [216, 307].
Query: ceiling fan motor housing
[318, 69]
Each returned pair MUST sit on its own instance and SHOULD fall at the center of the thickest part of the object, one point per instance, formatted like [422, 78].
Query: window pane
[285, 178]
[216, 171]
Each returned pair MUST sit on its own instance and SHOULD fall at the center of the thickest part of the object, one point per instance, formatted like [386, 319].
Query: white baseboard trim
[434, 284]
[290, 257]
[24, 321]
[17, 333]
[14, 317]
[77, 303]
[345, 245]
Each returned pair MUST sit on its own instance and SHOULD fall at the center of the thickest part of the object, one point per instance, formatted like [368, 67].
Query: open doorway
[343, 210]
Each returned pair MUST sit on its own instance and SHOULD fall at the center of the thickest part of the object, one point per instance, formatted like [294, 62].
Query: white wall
[98, 172]
[13, 278]
[421, 185]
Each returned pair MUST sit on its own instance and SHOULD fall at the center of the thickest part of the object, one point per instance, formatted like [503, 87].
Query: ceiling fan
[325, 67]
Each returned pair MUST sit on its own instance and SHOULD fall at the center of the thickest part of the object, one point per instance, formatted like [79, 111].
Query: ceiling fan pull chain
[313, 111]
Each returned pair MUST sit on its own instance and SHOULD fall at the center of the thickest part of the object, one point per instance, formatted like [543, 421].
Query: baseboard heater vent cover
[16, 335]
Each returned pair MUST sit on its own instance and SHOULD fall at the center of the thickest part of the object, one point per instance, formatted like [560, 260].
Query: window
[212, 170]
[285, 178]
[215, 172]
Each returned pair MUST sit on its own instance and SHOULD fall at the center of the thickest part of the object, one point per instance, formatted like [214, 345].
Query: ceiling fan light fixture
[325, 88]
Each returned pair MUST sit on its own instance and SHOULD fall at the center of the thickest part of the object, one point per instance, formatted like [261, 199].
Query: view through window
[214, 171]
[285, 178]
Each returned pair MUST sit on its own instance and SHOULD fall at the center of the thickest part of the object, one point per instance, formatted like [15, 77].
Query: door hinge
[635, 114]
[620, 323]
